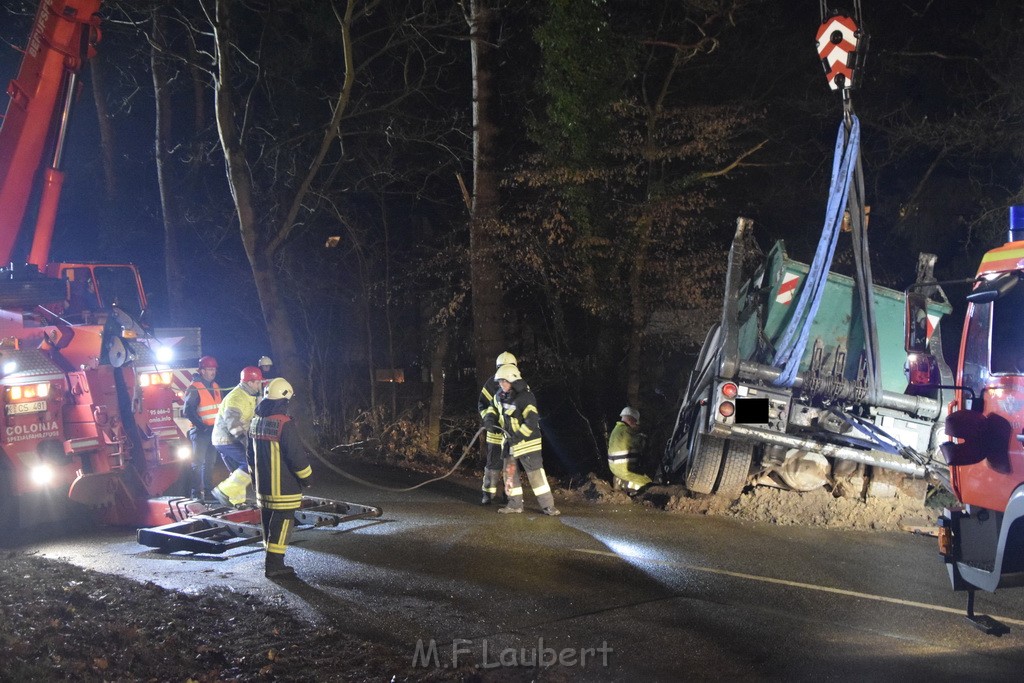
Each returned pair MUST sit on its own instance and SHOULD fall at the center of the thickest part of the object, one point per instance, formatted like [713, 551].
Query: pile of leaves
[61, 622]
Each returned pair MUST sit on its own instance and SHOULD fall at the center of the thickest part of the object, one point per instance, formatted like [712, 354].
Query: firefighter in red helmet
[231, 432]
[202, 400]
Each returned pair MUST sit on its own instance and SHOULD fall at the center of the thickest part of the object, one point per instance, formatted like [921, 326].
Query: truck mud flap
[219, 529]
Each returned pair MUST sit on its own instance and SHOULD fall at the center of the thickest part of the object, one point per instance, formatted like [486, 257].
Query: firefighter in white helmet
[280, 471]
[230, 435]
[489, 416]
[266, 366]
[624, 448]
[517, 412]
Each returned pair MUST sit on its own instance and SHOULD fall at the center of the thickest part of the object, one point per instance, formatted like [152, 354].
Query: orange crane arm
[62, 38]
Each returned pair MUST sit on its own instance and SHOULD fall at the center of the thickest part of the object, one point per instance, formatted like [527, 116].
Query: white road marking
[793, 584]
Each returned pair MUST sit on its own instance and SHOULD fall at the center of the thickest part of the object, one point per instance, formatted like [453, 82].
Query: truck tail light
[945, 537]
[729, 390]
[726, 408]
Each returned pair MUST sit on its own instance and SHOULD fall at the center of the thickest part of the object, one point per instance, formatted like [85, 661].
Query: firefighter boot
[276, 568]
[231, 491]
[490, 486]
[542, 490]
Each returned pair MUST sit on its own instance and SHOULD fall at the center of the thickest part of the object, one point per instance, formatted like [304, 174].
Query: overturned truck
[744, 420]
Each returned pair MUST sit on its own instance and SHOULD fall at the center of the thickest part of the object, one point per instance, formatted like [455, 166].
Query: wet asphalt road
[606, 592]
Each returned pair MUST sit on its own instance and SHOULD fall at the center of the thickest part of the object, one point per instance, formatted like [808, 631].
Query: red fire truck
[982, 539]
[90, 396]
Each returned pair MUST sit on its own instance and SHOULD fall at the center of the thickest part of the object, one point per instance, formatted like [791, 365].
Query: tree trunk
[438, 359]
[485, 273]
[98, 71]
[165, 171]
[259, 252]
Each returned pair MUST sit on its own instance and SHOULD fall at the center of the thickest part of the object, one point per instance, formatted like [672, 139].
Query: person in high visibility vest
[624, 448]
[230, 435]
[495, 437]
[202, 400]
[280, 471]
[517, 410]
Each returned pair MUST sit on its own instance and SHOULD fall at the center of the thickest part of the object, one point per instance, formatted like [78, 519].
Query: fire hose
[334, 468]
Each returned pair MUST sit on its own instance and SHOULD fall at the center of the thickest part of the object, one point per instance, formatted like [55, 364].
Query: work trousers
[233, 455]
[534, 466]
[277, 527]
[492, 470]
[623, 467]
[204, 456]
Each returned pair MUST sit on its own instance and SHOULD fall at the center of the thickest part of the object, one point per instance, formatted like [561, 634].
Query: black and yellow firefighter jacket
[277, 460]
[519, 417]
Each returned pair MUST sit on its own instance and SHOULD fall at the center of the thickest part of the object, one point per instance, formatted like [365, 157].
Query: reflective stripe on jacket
[209, 401]
[233, 417]
[519, 416]
[277, 462]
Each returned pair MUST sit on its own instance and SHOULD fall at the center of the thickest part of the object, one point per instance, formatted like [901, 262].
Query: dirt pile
[819, 508]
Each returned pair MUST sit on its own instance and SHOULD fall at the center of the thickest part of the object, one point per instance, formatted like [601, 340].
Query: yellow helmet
[279, 388]
[509, 373]
[505, 358]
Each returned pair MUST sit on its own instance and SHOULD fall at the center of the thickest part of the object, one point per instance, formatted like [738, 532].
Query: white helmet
[505, 358]
[630, 412]
[278, 388]
[264, 360]
[509, 373]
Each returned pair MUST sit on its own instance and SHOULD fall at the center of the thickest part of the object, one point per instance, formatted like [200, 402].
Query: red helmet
[207, 362]
[251, 374]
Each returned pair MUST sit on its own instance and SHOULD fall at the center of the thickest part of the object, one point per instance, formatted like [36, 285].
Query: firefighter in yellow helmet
[624, 448]
[230, 435]
[517, 412]
[489, 416]
[280, 471]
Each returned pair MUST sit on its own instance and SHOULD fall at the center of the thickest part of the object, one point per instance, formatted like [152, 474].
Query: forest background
[375, 190]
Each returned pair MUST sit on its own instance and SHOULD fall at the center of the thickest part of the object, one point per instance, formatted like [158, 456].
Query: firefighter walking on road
[230, 435]
[624, 448]
[517, 410]
[202, 401]
[280, 471]
[495, 437]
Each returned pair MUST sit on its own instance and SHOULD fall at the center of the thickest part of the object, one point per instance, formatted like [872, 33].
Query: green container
[769, 299]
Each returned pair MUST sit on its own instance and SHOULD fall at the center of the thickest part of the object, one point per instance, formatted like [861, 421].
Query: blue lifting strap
[794, 340]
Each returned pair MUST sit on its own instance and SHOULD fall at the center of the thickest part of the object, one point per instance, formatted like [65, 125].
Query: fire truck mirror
[993, 289]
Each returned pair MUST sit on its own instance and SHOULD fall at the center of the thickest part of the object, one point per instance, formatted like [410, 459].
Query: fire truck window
[81, 291]
[117, 285]
[1008, 333]
[975, 369]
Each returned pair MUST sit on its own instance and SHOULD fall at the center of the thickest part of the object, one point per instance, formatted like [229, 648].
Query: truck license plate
[22, 408]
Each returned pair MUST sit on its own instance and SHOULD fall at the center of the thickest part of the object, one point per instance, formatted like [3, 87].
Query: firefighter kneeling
[280, 472]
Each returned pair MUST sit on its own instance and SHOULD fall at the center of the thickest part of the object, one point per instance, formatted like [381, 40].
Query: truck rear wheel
[735, 468]
[704, 462]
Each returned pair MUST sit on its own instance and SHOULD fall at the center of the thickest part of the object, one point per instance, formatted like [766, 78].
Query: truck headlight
[41, 475]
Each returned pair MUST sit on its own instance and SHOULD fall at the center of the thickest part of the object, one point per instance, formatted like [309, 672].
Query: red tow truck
[89, 396]
[981, 540]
